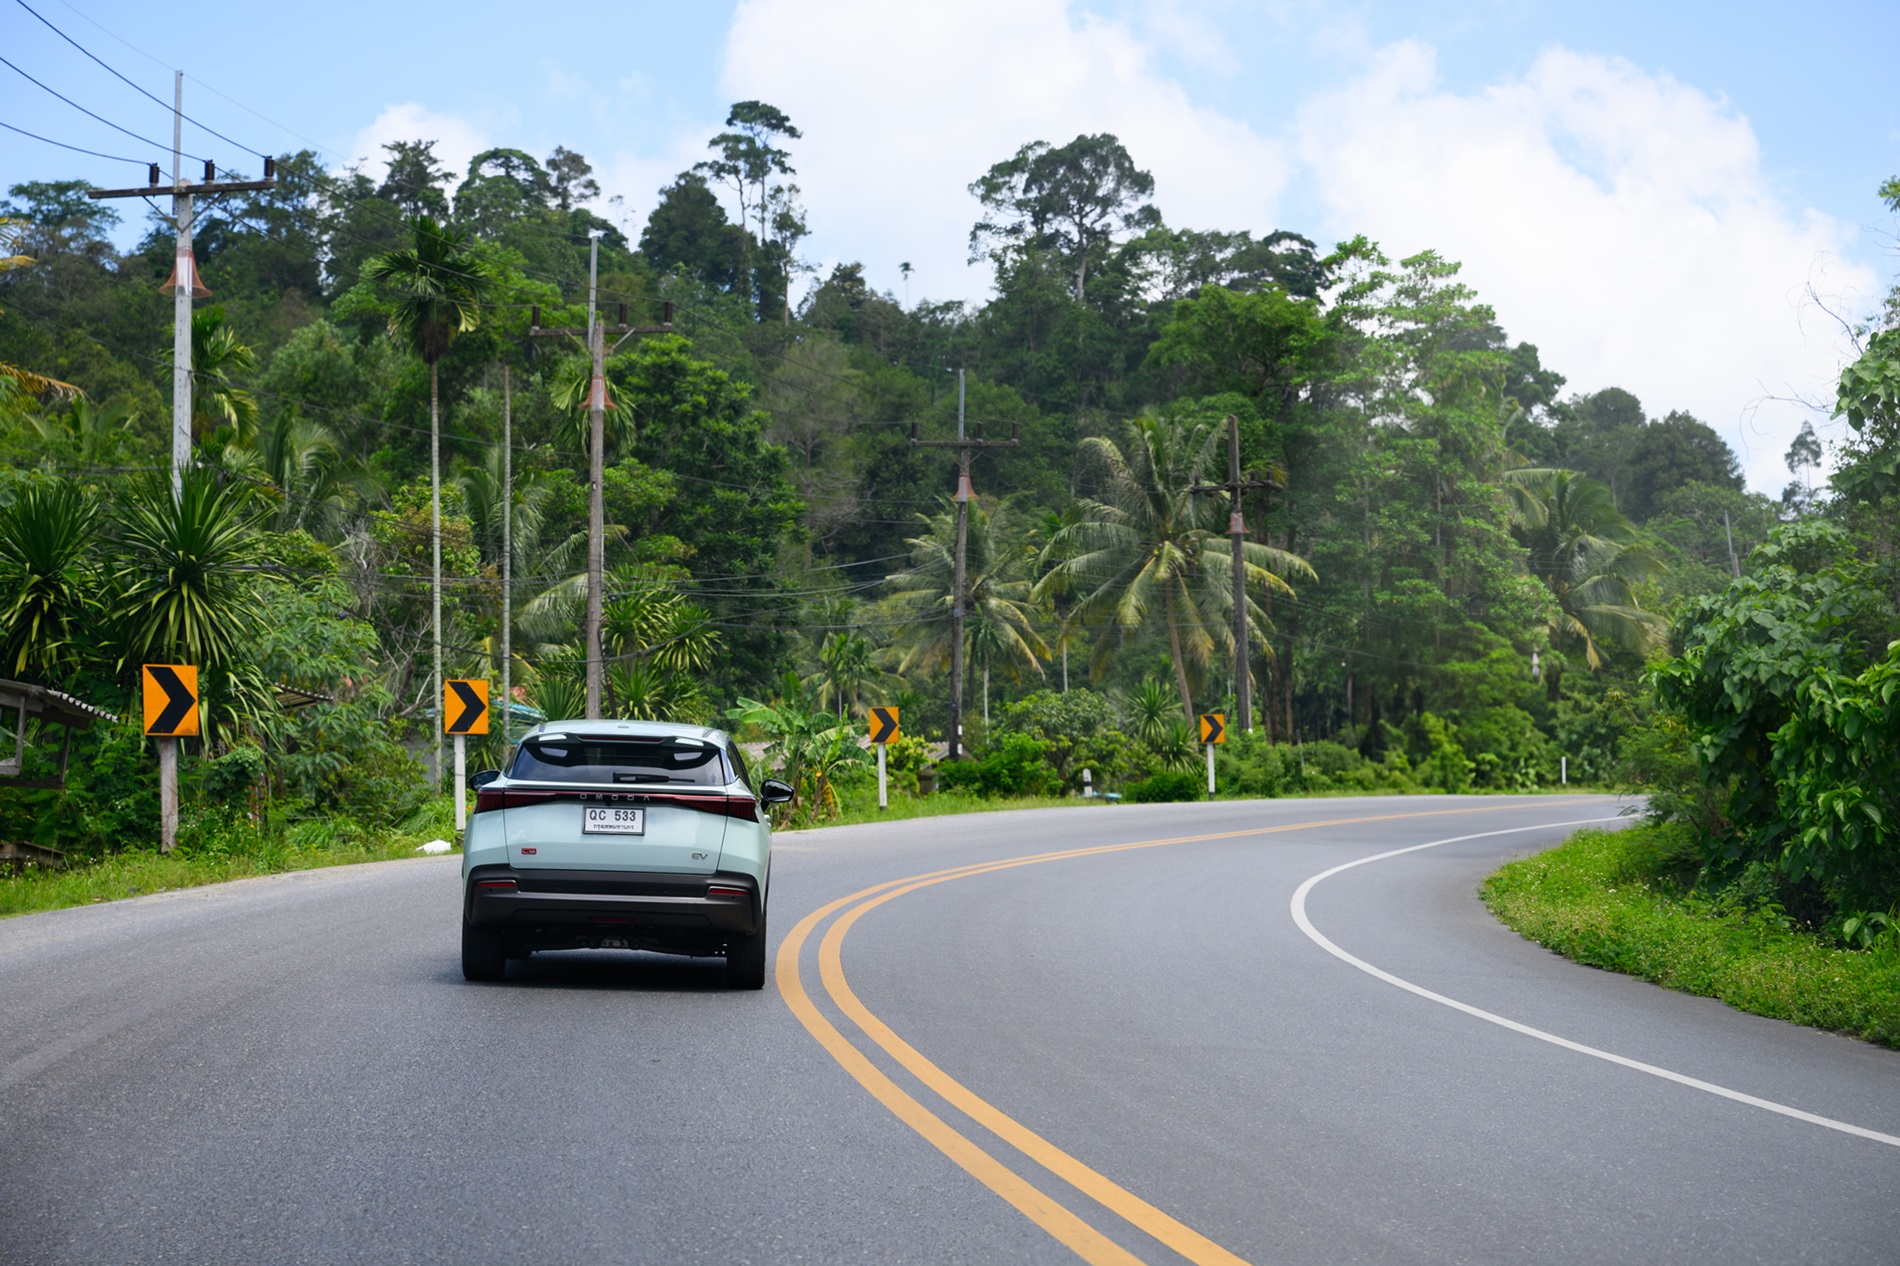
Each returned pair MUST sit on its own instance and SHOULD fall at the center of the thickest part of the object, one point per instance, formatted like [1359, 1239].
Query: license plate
[599, 820]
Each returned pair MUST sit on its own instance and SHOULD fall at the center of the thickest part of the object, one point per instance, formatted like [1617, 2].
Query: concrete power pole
[507, 553]
[596, 341]
[1237, 533]
[959, 579]
[184, 287]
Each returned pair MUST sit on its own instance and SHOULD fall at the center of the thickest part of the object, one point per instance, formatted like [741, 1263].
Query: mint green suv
[619, 835]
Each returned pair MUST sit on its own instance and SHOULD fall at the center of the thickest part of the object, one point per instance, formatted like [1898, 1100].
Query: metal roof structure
[50, 707]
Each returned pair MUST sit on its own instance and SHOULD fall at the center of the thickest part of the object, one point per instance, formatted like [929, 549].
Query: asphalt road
[1110, 1053]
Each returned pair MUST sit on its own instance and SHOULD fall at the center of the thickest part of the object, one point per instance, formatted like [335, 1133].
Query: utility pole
[596, 337]
[183, 287]
[507, 552]
[964, 448]
[1237, 533]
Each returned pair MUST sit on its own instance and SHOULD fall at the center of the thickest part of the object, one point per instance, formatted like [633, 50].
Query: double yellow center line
[1038, 1206]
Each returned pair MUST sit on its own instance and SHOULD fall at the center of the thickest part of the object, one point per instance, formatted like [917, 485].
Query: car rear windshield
[621, 761]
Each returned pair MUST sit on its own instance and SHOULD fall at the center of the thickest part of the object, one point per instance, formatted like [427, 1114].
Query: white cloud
[1618, 219]
[903, 105]
[457, 140]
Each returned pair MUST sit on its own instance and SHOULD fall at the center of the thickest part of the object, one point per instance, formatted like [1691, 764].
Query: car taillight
[496, 885]
[745, 808]
[727, 890]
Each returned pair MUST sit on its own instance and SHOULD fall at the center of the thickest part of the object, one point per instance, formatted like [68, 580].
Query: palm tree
[49, 586]
[999, 615]
[1590, 557]
[303, 463]
[440, 284]
[1147, 548]
[218, 404]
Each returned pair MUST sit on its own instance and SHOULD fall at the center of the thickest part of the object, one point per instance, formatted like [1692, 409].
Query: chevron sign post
[1213, 730]
[170, 695]
[883, 730]
[464, 712]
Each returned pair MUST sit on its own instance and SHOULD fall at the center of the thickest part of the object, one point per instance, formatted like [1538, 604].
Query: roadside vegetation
[215, 847]
[1638, 901]
[1456, 577]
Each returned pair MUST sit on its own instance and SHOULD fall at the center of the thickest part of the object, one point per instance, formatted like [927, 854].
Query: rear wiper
[619, 777]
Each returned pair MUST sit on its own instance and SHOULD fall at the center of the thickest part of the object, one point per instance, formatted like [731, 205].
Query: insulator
[534, 317]
[152, 174]
[666, 313]
[913, 432]
[211, 171]
[270, 169]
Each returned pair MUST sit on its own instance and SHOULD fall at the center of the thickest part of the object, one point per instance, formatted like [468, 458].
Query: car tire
[484, 956]
[745, 959]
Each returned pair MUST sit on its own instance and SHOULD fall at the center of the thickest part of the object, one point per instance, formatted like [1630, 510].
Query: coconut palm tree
[439, 284]
[1149, 546]
[1589, 556]
[49, 585]
[999, 625]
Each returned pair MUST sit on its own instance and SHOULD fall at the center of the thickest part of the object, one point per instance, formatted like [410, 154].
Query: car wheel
[745, 959]
[484, 956]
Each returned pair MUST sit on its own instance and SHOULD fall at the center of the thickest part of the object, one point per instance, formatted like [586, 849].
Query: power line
[136, 162]
[88, 113]
[135, 87]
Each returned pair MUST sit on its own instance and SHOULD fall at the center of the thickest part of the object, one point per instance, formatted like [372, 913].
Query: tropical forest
[1458, 573]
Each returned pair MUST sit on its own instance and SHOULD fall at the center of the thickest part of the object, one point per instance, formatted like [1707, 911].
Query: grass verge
[857, 808]
[215, 851]
[1617, 900]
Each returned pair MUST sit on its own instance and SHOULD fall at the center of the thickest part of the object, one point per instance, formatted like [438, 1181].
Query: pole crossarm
[222, 186]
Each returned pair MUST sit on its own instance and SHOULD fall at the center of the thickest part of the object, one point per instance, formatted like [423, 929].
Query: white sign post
[883, 728]
[461, 781]
[1210, 769]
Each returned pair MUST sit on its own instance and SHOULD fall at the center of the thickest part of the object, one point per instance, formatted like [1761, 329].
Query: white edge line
[1319, 938]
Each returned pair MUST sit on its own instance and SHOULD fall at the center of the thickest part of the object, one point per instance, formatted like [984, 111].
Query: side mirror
[772, 791]
[481, 778]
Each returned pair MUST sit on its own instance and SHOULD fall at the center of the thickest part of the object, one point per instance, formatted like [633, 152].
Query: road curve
[1099, 1034]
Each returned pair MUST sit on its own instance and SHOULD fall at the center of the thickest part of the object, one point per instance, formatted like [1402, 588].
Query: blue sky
[1665, 197]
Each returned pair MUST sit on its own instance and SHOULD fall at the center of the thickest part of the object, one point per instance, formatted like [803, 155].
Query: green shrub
[382, 785]
[1013, 765]
[1167, 786]
[232, 776]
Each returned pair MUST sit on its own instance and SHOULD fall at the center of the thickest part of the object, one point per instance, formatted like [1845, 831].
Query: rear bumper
[591, 906]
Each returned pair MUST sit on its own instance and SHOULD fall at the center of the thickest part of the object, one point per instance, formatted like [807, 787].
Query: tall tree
[1073, 200]
[570, 178]
[749, 157]
[1149, 547]
[439, 285]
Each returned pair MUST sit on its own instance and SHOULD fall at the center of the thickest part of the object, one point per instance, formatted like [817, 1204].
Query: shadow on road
[617, 970]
